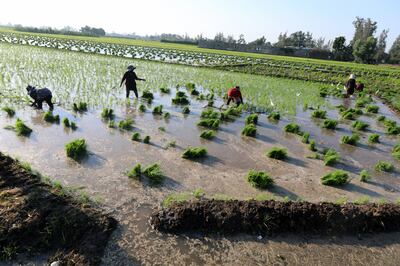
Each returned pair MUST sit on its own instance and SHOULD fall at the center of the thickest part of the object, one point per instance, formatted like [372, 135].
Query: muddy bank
[266, 217]
[37, 218]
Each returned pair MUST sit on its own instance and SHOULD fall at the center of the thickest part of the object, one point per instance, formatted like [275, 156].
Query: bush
[209, 123]
[331, 157]
[136, 136]
[319, 114]
[146, 139]
[209, 113]
[312, 147]
[383, 166]
[21, 129]
[330, 124]
[373, 138]
[274, 116]
[293, 128]
[147, 95]
[49, 117]
[259, 179]
[76, 149]
[351, 140]
[142, 108]
[194, 153]
[335, 178]
[165, 90]
[252, 119]
[126, 124]
[306, 138]
[185, 110]
[135, 172]
[80, 107]
[249, 130]
[10, 112]
[107, 113]
[157, 110]
[372, 109]
[154, 174]
[365, 176]
[277, 153]
[207, 134]
[360, 125]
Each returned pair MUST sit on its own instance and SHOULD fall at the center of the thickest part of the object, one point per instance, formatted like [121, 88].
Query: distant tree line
[84, 31]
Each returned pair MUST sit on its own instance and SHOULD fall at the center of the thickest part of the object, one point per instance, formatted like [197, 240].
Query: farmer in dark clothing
[235, 95]
[40, 95]
[350, 85]
[130, 78]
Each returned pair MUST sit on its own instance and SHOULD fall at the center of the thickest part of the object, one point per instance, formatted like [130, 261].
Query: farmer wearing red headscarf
[235, 95]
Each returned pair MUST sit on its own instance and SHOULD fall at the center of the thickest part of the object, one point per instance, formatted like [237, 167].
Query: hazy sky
[253, 18]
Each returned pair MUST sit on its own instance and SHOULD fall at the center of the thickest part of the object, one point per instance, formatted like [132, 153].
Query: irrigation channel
[221, 175]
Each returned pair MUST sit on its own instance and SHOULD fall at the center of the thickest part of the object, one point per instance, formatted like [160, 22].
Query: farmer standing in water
[235, 95]
[350, 85]
[130, 78]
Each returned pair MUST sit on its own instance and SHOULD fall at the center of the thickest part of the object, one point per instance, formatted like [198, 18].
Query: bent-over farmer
[39, 96]
[235, 95]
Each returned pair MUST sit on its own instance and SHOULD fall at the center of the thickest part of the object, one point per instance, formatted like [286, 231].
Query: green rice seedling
[293, 128]
[396, 151]
[194, 92]
[362, 200]
[274, 116]
[170, 144]
[365, 176]
[158, 110]
[393, 130]
[249, 130]
[80, 107]
[331, 157]
[314, 156]
[383, 166]
[49, 117]
[148, 95]
[209, 123]
[161, 129]
[209, 113]
[111, 124]
[21, 129]
[330, 124]
[351, 140]
[277, 153]
[210, 103]
[233, 111]
[146, 139]
[136, 136]
[351, 114]
[190, 86]
[259, 179]
[252, 119]
[185, 110]
[373, 138]
[107, 113]
[180, 98]
[142, 108]
[175, 198]
[381, 118]
[198, 193]
[335, 178]
[167, 115]
[76, 149]
[194, 153]
[360, 125]
[323, 92]
[319, 114]
[312, 147]
[135, 172]
[73, 125]
[358, 111]
[66, 122]
[208, 134]
[201, 97]
[341, 108]
[10, 112]
[362, 102]
[154, 173]
[306, 138]
[165, 90]
[126, 124]
[372, 109]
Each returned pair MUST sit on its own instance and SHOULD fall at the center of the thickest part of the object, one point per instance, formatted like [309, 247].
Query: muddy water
[112, 153]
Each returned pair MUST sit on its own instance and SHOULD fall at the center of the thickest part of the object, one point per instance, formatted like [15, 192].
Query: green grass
[107, 113]
[136, 136]
[362, 200]
[360, 125]
[365, 176]
[21, 129]
[293, 128]
[331, 157]
[126, 124]
[146, 139]
[351, 140]
[259, 179]
[382, 166]
[335, 178]
[154, 174]
[49, 117]
[194, 153]
[80, 107]
[135, 172]
[10, 112]
[373, 138]
[372, 109]
[209, 123]
[277, 153]
[207, 134]
[319, 114]
[249, 130]
[252, 119]
[330, 124]
[76, 149]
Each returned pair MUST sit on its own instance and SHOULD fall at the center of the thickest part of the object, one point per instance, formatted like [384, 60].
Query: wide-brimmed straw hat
[131, 67]
[352, 76]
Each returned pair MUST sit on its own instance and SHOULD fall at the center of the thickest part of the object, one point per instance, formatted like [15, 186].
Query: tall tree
[381, 47]
[394, 52]
[283, 40]
[241, 39]
[364, 28]
[364, 50]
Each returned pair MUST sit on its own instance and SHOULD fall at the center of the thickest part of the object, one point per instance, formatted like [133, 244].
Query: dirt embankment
[268, 217]
[36, 218]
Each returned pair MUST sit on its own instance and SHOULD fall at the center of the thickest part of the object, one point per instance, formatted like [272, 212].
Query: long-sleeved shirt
[130, 78]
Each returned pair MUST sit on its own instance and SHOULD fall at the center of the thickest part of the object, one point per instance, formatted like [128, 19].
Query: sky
[253, 18]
